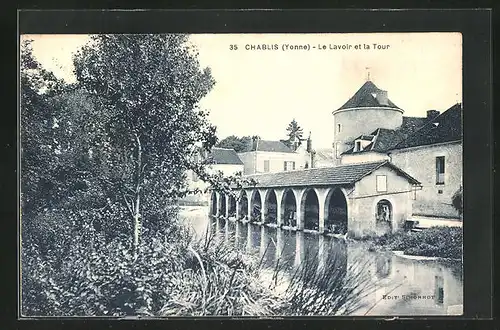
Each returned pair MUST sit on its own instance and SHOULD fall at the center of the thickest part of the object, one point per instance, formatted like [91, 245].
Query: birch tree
[149, 86]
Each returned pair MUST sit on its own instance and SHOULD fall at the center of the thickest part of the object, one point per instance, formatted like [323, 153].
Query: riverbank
[432, 243]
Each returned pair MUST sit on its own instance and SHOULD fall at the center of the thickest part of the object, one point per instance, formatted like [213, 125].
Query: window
[440, 170]
[358, 146]
[288, 166]
[266, 165]
[339, 127]
[381, 183]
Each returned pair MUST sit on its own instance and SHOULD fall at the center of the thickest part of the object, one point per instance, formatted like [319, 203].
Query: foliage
[337, 288]
[173, 275]
[294, 133]
[149, 87]
[239, 144]
[39, 161]
[457, 200]
[439, 241]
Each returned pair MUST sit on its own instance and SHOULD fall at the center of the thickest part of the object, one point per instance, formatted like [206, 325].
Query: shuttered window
[440, 170]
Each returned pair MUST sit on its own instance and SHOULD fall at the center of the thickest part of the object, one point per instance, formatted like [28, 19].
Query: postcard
[169, 175]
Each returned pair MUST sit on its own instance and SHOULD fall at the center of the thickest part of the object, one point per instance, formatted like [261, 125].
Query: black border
[475, 27]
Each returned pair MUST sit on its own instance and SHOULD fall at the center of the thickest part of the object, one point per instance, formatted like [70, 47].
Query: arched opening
[243, 205]
[256, 206]
[271, 215]
[383, 215]
[336, 212]
[213, 203]
[232, 206]
[289, 208]
[222, 202]
[310, 207]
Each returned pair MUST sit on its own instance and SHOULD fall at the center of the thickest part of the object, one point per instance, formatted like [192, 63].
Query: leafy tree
[239, 144]
[294, 133]
[149, 87]
[39, 160]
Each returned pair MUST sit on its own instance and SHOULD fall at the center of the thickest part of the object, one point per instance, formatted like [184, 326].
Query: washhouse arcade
[362, 199]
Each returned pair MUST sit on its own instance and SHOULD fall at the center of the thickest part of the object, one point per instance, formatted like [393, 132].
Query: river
[400, 285]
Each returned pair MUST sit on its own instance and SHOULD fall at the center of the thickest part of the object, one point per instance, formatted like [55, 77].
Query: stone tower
[368, 109]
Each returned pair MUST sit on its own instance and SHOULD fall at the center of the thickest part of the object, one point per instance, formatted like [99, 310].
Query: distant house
[324, 157]
[274, 156]
[220, 160]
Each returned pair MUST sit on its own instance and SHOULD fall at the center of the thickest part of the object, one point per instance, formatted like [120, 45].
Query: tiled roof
[324, 176]
[411, 124]
[272, 146]
[324, 154]
[446, 127]
[224, 156]
[387, 139]
[384, 140]
[364, 98]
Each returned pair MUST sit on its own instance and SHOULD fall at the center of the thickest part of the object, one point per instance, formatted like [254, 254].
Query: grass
[439, 241]
[178, 275]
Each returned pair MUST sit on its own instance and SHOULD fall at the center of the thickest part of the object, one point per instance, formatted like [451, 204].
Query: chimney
[309, 143]
[255, 141]
[382, 97]
[431, 114]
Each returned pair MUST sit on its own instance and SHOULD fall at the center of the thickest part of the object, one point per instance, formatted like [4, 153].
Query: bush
[444, 242]
[90, 275]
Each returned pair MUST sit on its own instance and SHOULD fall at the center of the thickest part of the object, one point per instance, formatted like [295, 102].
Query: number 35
[233, 47]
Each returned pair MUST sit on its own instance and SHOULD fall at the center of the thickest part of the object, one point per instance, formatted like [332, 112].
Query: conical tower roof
[366, 97]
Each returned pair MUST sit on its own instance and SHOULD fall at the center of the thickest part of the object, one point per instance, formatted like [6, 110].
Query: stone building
[220, 160]
[266, 156]
[429, 149]
[362, 199]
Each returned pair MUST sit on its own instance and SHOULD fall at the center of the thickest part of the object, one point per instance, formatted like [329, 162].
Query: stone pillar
[218, 199]
[238, 209]
[279, 197]
[321, 193]
[263, 209]
[217, 204]
[298, 199]
[321, 216]
[250, 205]
[263, 205]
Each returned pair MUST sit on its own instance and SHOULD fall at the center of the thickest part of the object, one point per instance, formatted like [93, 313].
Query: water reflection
[402, 286]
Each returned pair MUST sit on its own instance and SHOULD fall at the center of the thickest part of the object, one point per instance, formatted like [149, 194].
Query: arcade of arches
[321, 209]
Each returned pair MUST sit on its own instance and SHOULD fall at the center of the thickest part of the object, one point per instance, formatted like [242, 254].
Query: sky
[258, 92]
